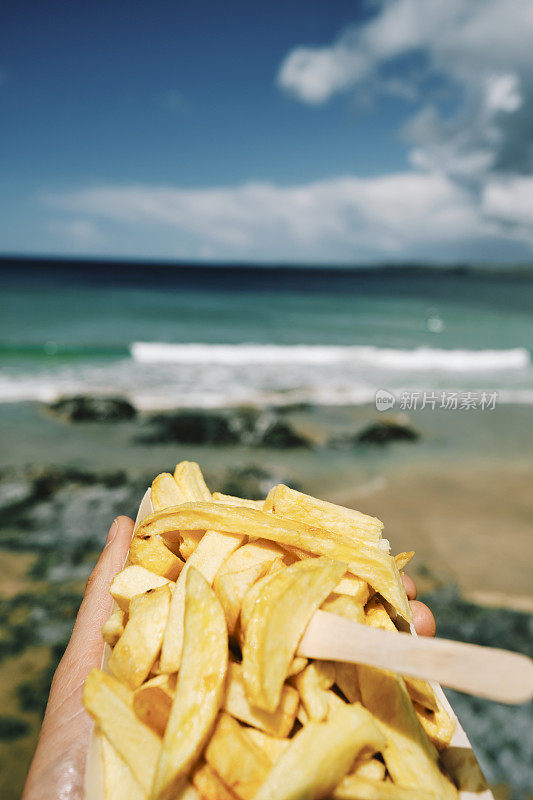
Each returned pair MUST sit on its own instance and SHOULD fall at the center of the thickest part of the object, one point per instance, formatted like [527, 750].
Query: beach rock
[279, 434]
[189, 426]
[245, 425]
[388, 429]
[84, 408]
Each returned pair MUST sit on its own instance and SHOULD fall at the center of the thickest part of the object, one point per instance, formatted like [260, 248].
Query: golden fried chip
[419, 690]
[278, 722]
[190, 480]
[113, 627]
[374, 566]
[153, 700]
[119, 783]
[235, 757]
[153, 554]
[137, 649]
[349, 526]
[410, 757]
[136, 744]
[312, 685]
[166, 493]
[372, 768]
[206, 781]
[320, 755]
[200, 686]
[438, 724]
[402, 559]
[270, 745]
[279, 617]
[354, 787]
[208, 557]
[229, 500]
[133, 581]
[239, 572]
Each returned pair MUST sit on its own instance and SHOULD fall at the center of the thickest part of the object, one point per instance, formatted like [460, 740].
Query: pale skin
[58, 766]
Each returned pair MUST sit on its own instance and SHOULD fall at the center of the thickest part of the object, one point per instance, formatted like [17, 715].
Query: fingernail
[112, 532]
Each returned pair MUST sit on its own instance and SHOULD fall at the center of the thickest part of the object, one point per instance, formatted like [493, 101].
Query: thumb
[97, 602]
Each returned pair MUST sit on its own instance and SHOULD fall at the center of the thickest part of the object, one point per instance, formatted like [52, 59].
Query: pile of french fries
[204, 695]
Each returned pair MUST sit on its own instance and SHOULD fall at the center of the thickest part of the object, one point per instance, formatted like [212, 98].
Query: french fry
[347, 680]
[353, 787]
[131, 582]
[410, 757]
[402, 559]
[153, 554]
[369, 768]
[438, 724]
[349, 526]
[137, 649]
[137, 745]
[200, 686]
[354, 587]
[374, 566]
[312, 685]
[119, 783]
[229, 500]
[344, 606]
[272, 747]
[212, 551]
[190, 481]
[113, 627]
[208, 784]
[297, 665]
[320, 755]
[239, 572]
[277, 723]
[235, 757]
[419, 690]
[152, 702]
[165, 492]
[278, 619]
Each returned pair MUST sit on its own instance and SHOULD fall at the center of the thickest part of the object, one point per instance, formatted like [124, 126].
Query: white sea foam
[419, 358]
[209, 376]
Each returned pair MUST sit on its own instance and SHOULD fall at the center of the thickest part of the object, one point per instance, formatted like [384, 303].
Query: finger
[410, 587]
[423, 619]
[97, 602]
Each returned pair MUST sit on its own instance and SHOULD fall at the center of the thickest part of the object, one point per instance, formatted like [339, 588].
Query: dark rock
[277, 433]
[190, 427]
[83, 408]
[380, 432]
[388, 429]
[245, 426]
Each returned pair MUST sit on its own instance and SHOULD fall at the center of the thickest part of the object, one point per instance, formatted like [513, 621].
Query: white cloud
[409, 214]
[481, 48]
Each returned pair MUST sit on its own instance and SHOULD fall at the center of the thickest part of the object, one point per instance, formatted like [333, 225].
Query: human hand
[58, 767]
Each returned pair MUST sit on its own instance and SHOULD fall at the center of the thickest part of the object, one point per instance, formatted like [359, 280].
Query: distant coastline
[254, 272]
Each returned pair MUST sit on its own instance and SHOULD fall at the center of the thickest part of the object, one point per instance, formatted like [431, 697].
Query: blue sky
[347, 132]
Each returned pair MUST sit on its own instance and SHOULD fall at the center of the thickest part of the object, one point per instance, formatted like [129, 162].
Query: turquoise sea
[211, 336]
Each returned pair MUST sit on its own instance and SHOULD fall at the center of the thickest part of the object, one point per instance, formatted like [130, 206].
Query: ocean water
[213, 336]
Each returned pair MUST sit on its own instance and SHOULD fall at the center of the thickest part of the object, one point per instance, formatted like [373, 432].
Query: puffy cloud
[481, 50]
